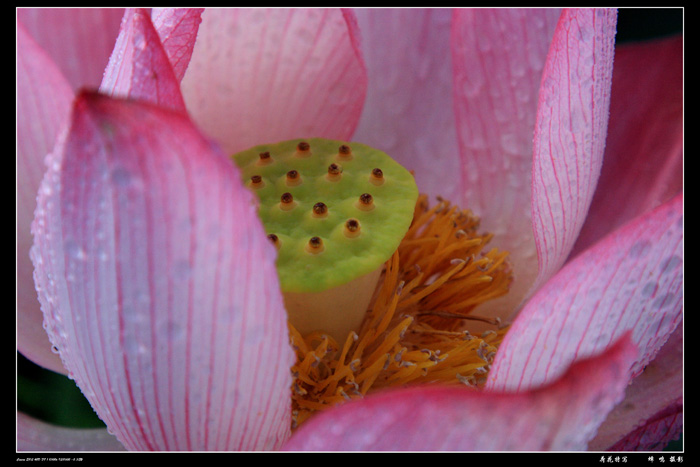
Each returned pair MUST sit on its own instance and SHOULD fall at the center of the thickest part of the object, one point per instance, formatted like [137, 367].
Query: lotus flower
[161, 299]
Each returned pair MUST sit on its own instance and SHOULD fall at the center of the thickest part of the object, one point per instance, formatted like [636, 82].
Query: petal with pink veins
[408, 111]
[79, 40]
[653, 401]
[643, 165]
[562, 416]
[265, 75]
[569, 140]
[158, 283]
[631, 281]
[498, 58]
[43, 104]
[139, 67]
[177, 29]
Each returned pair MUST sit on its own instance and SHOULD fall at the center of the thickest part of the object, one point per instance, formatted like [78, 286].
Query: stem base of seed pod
[336, 311]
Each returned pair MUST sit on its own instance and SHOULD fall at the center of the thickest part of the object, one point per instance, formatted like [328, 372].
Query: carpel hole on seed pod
[264, 158]
[344, 153]
[275, 240]
[256, 181]
[293, 178]
[352, 228]
[377, 177]
[314, 245]
[365, 202]
[334, 172]
[287, 202]
[320, 210]
[303, 149]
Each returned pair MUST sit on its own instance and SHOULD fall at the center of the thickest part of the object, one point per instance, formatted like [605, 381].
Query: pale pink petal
[79, 40]
[159, 285]
[35, 435]
[643, 165]
[654, 399]
[572, 120]
[177, 29]
[631, 281]
[263, 75]
[498, 60]
[408, 112]
[43, 105]
[139, 68]
[561, 417]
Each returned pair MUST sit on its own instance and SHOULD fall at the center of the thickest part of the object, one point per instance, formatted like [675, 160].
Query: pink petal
[572, 119]
[629, 282]
[79, 40]
[139, 68]
[662, 428]
[652, 401]
[34, 435]
[43, 105]
[158, 283]
[498, 57]
[643, 162]
[177, 29]
[408, 111]
[260, 75]
[561, 416]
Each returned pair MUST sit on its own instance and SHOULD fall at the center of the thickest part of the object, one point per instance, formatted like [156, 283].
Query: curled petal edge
[563, 415]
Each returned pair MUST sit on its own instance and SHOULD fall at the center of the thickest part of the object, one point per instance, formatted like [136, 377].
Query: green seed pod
[337, 210]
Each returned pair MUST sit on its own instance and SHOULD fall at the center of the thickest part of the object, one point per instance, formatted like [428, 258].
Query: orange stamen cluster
[415, 331]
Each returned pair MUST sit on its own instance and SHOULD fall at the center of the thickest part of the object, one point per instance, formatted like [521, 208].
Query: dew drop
[664, 301]
[121, 177]
[182, 271]
[640, 249]
[670, 263]
[73, 250]
[173, 331]
[649, 289]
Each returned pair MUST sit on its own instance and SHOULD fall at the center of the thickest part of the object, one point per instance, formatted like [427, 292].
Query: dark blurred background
[55, 398]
